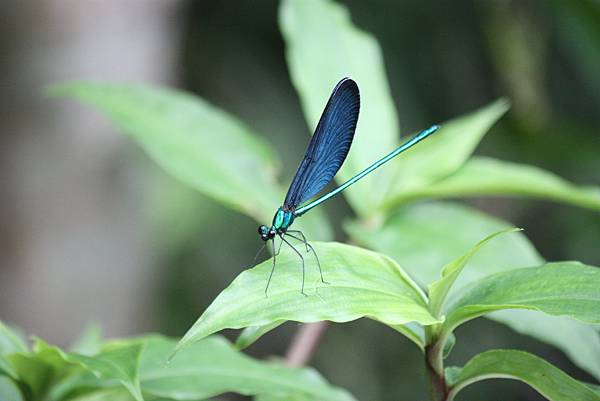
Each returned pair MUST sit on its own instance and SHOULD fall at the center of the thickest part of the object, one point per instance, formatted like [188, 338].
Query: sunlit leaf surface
[363, 284]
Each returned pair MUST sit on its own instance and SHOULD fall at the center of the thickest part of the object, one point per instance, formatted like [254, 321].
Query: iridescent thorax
[282, 220]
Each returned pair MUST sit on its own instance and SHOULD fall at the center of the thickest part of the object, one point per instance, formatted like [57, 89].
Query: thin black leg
[272, 269]
[280, 244]
[309, 246]
[258, 253]
[302, 235]
[302, 258]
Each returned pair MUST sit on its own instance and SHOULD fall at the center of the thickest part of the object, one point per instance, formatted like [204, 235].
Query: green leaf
[545, 378]
[34, 374]
[9, 391]
[486, 176]
[211, 367]
[117, 361]
[442, 154]
[251, 334]
[363, 284]
[270, 397]
[323, 46]
[90, 340]
[10, 343]
[113, 394]
[594, 387]
[197, 143]
[413, 331]
[561, 289]
[448, 345]
[194, 141]
[578, 340]
[424, 237]
[438, 290]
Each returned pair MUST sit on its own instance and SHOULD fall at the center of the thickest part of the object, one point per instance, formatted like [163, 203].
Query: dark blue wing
[329, 144]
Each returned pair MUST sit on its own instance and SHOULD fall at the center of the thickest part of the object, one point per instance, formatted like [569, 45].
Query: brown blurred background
[93, 231]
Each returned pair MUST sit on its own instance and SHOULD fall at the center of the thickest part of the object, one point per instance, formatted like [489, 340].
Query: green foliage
[251, 334]
[482, 176]
[549, 381]
[579, 341]
[563, 289]
[137, 369]
[9, 391]
[166, 123]
[313, 31]
[213, 367]
[191, 140]
[196, 143]
[90, 340]
[443, 153]
[10, 342]
[117, 361]
[438, 290]
[408, 235]
[363, 284]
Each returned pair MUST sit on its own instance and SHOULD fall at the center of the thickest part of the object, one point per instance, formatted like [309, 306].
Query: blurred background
[92, 230]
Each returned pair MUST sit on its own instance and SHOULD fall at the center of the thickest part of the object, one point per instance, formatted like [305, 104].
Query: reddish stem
[305, 343]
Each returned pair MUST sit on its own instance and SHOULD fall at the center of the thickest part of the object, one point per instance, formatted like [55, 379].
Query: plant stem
[434, 363]
[305, 343]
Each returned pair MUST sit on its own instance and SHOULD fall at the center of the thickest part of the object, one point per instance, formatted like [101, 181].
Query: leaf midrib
[523, 301]
[226, 373]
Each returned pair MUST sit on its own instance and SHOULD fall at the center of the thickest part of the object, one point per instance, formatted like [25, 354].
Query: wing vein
[329, 145]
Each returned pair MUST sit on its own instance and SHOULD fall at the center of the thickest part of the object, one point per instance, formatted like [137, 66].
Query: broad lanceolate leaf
[561, 289]
[363, 284]
[424, 237]
[323, 46]
[481, 176]
[117, 361]
[200, 145]
[10, 343]
[439, 289]
[9, 391]
[443, 153]
[211, 367]
[548, 380]
[194, 141]
[578, 340]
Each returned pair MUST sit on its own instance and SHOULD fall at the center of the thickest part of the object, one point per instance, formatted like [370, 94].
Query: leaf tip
[184, 342]
[172, 355]
[504, 103]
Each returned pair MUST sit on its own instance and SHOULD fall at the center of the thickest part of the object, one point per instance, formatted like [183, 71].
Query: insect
[326, 152]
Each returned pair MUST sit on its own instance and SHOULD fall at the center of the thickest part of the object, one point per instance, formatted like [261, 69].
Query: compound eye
[262, 230]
